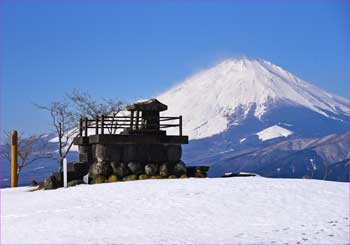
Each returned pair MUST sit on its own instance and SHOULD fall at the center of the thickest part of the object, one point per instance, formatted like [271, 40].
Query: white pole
[65, 180]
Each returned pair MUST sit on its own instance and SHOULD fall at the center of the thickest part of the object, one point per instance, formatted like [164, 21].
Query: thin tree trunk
[60, 148]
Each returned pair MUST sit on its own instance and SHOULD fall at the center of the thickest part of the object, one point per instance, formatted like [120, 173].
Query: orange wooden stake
[14, 149]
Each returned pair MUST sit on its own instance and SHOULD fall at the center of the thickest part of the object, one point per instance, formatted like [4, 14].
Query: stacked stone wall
[145, 160]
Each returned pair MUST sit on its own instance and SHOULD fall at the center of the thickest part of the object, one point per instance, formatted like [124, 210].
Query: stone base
[124, 172]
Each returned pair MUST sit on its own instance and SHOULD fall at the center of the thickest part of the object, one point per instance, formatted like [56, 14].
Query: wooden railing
[111, 124]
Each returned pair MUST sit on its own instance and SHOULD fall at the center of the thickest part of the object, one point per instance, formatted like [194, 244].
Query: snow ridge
[237, 88]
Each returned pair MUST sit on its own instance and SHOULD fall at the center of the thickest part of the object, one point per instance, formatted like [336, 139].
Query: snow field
[181, 211]
[272, 132]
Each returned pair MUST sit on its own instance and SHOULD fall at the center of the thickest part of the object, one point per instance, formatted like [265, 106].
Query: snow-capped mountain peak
[224, 95]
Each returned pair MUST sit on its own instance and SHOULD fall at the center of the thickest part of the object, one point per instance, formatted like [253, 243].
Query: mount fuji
[241, 105]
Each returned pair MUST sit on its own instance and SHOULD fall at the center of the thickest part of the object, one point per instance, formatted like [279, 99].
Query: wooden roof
[147, 105]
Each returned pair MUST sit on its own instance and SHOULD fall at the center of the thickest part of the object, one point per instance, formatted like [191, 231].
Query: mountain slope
[226, 107]
[321, 158]
[223, 96]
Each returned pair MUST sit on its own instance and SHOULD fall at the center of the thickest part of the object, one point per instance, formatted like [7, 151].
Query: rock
[143, 176]
[184, 176]
[197, 171]
[114, 166]
[136, 168]
[59, 178]
[130, 177]
[120, 169]
[156, 177]
[85, 153]
[180, 169]
[164, 170]
[75, 182]
[113, 178]
[202, 168]
[41, 185]
[34, 183]
[200, 175]
[151, 169]
[101, 152]
[172, 177]
[100, 168]
[70, 167]
[99, 179]
[50, 183]
[80, 169]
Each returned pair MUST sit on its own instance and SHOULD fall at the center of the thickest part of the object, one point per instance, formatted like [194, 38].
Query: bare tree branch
[65, 117]
[29, 149]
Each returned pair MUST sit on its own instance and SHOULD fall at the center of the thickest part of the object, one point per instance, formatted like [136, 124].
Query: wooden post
[131, 120]
[102, 124]
[86, 126]
[180, 126]
[96, 130]
[137, 120]
[14, 153]
[81, 127]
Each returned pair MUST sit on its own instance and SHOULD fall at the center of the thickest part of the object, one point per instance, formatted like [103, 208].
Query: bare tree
[65, 117]
[63, 124]
[84, 105]
[30, 149]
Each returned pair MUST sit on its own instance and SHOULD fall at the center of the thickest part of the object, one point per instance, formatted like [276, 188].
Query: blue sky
[137, 49]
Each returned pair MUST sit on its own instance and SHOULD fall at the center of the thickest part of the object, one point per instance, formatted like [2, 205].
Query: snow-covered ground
[187, 211]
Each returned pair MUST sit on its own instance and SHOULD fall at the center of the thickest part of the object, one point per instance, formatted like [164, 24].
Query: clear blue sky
[137, 49]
